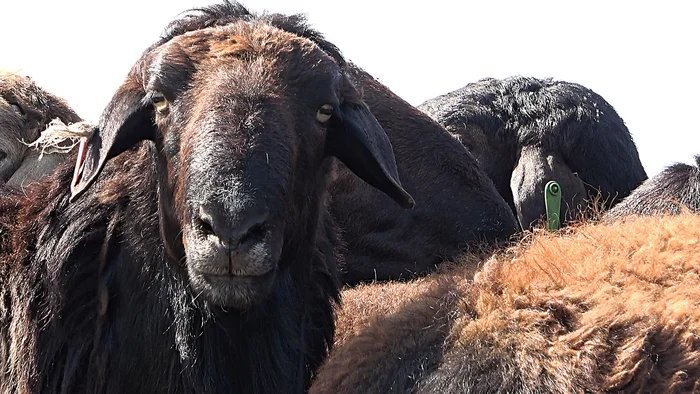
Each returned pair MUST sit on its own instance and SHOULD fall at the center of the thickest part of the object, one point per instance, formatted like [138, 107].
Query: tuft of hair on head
[61, 138]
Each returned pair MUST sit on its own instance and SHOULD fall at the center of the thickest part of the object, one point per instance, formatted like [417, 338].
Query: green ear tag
[552, 202]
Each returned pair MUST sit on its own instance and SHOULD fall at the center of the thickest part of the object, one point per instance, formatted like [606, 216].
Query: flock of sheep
[254, 214]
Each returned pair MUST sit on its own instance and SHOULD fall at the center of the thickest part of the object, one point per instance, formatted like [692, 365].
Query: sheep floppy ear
[358, 140]
[126, 121]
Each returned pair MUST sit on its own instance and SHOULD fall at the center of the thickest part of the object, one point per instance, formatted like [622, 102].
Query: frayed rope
[61, 138]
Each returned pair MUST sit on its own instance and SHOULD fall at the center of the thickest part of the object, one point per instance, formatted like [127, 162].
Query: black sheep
[674, 189]
[527, 131]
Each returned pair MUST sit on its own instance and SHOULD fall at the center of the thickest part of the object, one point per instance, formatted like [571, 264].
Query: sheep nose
[234, 230]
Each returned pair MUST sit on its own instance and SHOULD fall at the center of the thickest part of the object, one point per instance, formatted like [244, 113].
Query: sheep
[194, 251]
[595, 308]
[672, 191]
[526, 131]
[25, 110]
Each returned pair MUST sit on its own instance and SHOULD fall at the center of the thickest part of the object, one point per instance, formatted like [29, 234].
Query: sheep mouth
[233, 291]
[233, 278]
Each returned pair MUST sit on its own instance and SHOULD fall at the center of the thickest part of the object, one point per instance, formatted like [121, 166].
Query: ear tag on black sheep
[552, 201]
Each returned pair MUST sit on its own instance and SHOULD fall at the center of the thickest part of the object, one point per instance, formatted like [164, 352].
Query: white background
[642, 57]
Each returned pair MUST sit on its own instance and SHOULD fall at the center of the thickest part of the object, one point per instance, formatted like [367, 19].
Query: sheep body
[599, 308]
[675, 189]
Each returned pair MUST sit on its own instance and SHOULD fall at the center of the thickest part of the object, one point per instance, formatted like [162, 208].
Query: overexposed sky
[642, 57]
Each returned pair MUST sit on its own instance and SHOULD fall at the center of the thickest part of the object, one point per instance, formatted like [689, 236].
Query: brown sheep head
[244, 116]
[25, 110]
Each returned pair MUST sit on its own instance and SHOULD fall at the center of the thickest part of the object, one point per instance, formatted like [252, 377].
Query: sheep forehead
[5, 99]
[11, 126]
[225, 44]
[18, 87]
[7, 81]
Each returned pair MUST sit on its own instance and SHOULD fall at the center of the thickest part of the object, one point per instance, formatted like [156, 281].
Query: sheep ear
[126, 121]
[358, 140]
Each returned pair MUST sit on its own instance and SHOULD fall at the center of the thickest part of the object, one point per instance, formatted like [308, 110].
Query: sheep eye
[324, 113]
[160, 103]
[3, 155]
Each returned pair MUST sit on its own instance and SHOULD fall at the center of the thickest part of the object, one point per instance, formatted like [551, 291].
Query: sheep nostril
[207, 228]
[254, 234]
[206, 222]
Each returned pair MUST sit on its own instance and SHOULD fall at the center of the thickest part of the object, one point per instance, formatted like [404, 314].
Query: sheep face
[536, 167]
[244, 116]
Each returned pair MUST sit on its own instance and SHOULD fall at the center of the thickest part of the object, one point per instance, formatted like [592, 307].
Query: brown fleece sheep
[599, 308]
[26, 110]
